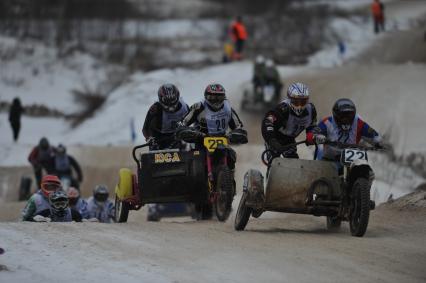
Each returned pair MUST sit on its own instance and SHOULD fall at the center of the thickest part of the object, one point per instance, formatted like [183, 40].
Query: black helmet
[61, 149]
[100, 193]
[168, 96]
[344, 111]
[44, 143]
[214, 95]
[59, 202]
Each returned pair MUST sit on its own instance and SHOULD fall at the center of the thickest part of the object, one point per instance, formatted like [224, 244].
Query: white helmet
[298, 94]
[260, 59]
[269, 63]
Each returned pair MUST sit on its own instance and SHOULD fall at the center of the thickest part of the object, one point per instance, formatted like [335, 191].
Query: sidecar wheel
[121, 210]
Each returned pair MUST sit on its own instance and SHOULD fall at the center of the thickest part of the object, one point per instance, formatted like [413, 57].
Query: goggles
[215, 98]
[299, 101]
[51, 187]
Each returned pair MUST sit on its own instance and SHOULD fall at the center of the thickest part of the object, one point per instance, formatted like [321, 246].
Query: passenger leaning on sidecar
[214, 115]
[287, 120]
[163, 116]
[343, 126]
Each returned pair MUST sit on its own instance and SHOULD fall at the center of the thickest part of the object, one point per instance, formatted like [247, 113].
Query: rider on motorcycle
[343, 126]
[214, 115]
[287, 120]
[162, 118]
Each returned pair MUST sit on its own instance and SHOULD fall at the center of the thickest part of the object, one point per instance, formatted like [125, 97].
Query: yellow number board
[211, 143]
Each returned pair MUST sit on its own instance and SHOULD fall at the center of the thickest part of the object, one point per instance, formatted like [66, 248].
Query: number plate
[211, 143]
[350, 155]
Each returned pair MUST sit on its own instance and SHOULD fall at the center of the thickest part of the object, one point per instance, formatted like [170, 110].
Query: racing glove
[151, 140]
[320, 139]
[40, 218]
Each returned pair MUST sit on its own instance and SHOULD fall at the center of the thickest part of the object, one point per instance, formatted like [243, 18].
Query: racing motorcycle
[220, 177]
[338, 190]
[263, 94]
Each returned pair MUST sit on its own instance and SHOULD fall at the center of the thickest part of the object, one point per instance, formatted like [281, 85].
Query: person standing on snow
[239, 37]
[42, 157]
[378, 12]
[344, 126]
[65, 164]
[283, 124]
[99, 206]
[163, 116]
[15, 113]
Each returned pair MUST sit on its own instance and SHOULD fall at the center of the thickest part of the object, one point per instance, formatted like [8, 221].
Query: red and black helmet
[50, 184]
[215, 96]
[168, 96]
[344, 112]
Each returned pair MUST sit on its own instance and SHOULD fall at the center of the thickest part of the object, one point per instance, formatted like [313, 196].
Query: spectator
[42, 157]
[15, 113]
[77, 203]
[99, 207]
[239, 36]
[378, 12]
[40, 200]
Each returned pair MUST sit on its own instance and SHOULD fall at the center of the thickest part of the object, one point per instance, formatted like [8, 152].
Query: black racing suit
[162, 125]
[281, 126]
[198, 115]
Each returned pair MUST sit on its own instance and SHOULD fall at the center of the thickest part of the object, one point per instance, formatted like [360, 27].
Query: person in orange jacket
[378, 12]
[239, 36]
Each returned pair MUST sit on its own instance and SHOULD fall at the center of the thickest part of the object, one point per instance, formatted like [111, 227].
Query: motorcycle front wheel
[225, 192]
[360, 207]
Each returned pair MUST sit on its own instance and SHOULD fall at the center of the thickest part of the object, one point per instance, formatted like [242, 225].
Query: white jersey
[217, 122]
[296, 124]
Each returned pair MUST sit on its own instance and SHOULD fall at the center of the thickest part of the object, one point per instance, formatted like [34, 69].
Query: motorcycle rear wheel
[225, 190]
[360, 207]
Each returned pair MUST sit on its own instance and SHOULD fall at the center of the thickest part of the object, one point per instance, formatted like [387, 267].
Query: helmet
[168, 96]
[43, 143]
[100, 193]
[298, 93]
[61, 149]
[59, 202]
[344, 111]
[260, 59]
[215, 96]
[73, 195]
[50, 184]
[269, 63]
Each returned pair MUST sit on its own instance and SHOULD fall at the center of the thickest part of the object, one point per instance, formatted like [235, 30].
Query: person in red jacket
[239, 36]
[42, 157]
[378, 12]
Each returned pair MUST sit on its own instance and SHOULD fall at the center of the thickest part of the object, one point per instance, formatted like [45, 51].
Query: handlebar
[348, 145]
[134, 152]
[273, 153]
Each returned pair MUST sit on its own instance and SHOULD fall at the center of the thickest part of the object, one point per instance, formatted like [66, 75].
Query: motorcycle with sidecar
[338, 190]
[200, 176]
